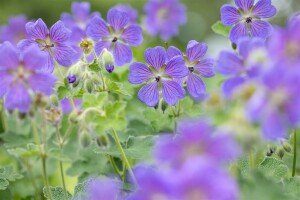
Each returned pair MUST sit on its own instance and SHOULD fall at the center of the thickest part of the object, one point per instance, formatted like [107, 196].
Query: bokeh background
[201, 14]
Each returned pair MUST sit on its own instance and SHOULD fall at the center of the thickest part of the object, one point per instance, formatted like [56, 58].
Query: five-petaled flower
[159, 77]
[116, 36]
[246, 19]
[54, 42]
[196, 65]
[21, 73]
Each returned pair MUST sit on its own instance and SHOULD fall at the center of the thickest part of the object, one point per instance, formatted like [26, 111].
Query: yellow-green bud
[88, 85]
[85, 139]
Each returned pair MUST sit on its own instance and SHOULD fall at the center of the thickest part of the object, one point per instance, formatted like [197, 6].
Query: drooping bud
[164, 105]
[74, 117]
[87, 46]
[280, 153]
[109, 68]
[102, 141]
[88, 85]
[85, 139]
[72, 79]
[286, 146]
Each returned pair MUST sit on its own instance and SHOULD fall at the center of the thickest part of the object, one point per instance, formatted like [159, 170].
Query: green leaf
[80, 190]
[8, 174]
[116, 88]
[94, 100]
[57, 193]
[220, 29]
[31, 150]
[292, 186]
[94, 67]
[161, 122]
[62, 92]
[274, 168]
[58, 155]
[3, 184]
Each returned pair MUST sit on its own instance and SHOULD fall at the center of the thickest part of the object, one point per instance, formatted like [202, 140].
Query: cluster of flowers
[270, 67]
[188, 165]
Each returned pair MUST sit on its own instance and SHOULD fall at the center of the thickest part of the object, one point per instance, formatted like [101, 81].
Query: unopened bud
[102, 141]
[280, 153]
[107, 59]
[164, 105]
[73, 117]
[21, 115]
[109, 68]
[88, 85]
[85, 139]
[286, 146]
[72, 79]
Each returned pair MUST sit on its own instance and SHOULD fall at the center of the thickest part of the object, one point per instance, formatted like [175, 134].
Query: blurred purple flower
[276, 104]
[66, 105]
[158, 77]
[164, 17]
[242, 66]
[194, 139]
[22, 72]
[196, 179]
[196, 65]
[247, 18]
[107, 189]
[54, 42]
[77, 23]
[116, 35]
[15, 30]
[130, 11]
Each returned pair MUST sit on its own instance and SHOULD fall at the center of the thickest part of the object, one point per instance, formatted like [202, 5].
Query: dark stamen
[115, 39]
[191, 69]
[249, 20]
[157, 79]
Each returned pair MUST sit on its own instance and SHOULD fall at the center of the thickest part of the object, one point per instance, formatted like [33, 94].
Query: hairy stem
[295, 154]
[124, 158]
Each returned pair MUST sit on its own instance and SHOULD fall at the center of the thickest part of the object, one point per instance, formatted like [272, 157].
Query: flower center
[249, 20]
[115, 39]
[191, 69]
[157, 79]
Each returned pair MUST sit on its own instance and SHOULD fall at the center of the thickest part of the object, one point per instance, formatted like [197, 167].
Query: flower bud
[74, 117]
[88, 85]
[164, 105]
[109, 68]
[280, 153]
[286, 146]
[102, 141]
[87, 46]
[107, 60]
[85, 139]
[71, 79]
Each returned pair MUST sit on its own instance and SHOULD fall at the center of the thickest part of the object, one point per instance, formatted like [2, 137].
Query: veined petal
[17, 98]
[63, 54]
[156, 57]
[259, 28]
[59, 33]
[117, 19]
[9, 56]
[149, 94]
[229, 63]
[205, 68]
[133, 35]
[244, 4]
[176, 68]
[122, 54]
[238, 31]
[264, 9]
[35, 59]
[195, 86]
[195, 50]
[274, 127]
[172, 91]
[229, 85]
[230, 15]
[43, 83]
[80, 10]
[5, 81]
[103, 44]
[37, 30]
[139, 73]
[97, 28]
[172, 52]
[23, 44]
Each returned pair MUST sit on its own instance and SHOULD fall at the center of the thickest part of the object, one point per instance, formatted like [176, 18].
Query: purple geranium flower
[158, 76]
[276, 104]
[194, 139]
[21, 72]
[164, 17]
[247, 18]
[107, 189]
[66, 105]
[54, 42]
[77, 23]
[116, 35]
[242, 66]
[196, 65]
[130, 11]
[15, 30]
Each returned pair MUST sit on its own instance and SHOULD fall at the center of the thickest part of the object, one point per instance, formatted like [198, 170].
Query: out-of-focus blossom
[247, 18]
[54, 42]
[197, 67]
[130, 11]
[195, 139]
[21, 73]
[107, 189]
[15, 30]
[158, 76]
[196, 179]
[163, 17]
[77, 23]
[116, 36]
[66, 104]
[276, 105]
[243, 66]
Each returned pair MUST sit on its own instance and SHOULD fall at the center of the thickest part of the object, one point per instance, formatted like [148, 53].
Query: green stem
[115, 168]
[72, 104]
[125, 160]
[3, 116]
[43, 158]
[30, 176]
[295, 153]
[251, 161]
[61, 144]
[102, 79]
